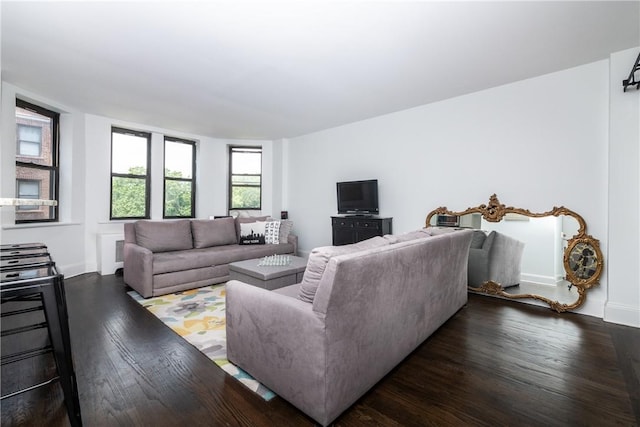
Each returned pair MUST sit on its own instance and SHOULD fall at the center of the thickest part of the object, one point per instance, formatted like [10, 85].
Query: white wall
[536, 143]
[623, 257]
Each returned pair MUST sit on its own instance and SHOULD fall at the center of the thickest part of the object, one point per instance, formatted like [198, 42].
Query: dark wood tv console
[351, 229]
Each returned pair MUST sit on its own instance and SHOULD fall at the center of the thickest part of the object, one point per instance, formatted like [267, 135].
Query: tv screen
[358, 197]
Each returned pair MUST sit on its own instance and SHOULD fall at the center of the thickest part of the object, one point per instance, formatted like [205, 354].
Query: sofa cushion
[411, 235]
[436, 231]
[175, 261]
[245, 220]
[286, 225]
[272, 232]
[319, 258]
[252, 233]
[216, 232]
[164, 236]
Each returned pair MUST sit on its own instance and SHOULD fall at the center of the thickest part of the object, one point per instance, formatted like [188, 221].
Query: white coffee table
[268, 277]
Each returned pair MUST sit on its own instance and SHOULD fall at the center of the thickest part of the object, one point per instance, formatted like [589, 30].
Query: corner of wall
[623, 294]
[622, 314]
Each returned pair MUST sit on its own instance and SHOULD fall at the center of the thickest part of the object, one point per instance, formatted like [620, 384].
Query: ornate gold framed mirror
[519, 254]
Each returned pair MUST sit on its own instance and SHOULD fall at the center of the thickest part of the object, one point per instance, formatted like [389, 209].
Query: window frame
[54, 169]
[240, 148]
[146, 177]
[192, 180]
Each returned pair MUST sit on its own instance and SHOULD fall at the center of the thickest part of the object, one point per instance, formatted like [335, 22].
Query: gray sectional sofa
[359, 311]
[161, 257]
[495, 257]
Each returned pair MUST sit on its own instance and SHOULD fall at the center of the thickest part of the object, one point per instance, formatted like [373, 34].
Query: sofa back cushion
[478, 239]
[163, 236]
[213, 232]
[319, 258]
[411, 235]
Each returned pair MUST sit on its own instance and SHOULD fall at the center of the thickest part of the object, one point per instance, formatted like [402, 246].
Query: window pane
[244, 162]
[29, 140]
[178, 160]
[31, 149]
[44, 177]
[28, 189]
[29, 133]
[129, 154]
[245, 198]
[34, 133]
[177, 198]
[128, 197]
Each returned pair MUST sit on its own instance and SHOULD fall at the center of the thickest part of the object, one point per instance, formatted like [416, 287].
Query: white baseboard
[542, 280]
[622, 314]
[71, 270]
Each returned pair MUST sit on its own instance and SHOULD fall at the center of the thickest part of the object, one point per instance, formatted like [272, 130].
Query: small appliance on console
[358, 197]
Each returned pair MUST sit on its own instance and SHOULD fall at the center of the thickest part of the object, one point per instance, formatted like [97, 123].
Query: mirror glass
[545, 256]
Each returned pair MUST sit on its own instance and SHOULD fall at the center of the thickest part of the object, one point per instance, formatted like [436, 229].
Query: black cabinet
[352, 229]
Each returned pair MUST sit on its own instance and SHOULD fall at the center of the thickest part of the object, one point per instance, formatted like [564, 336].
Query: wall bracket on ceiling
[631, 81]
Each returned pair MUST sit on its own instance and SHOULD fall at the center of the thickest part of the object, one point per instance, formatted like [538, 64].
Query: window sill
[39, 225]
[28, 202]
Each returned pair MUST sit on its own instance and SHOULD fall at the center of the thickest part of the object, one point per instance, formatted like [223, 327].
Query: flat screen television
[358, 197]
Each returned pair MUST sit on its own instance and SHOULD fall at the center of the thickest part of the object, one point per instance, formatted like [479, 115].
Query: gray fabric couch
[371, 308]
[162, 257]
[495, 257]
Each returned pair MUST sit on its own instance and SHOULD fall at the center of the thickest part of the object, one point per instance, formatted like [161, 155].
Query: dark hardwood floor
[494, 363]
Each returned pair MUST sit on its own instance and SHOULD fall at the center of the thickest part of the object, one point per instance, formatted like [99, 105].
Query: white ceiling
[268, 70]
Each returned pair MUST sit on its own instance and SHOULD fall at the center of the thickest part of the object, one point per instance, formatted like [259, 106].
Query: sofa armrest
[293, 239]
[280, 341]
[505, 260]
[138, 269]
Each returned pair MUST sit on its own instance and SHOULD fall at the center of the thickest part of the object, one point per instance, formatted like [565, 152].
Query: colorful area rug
[198, 316]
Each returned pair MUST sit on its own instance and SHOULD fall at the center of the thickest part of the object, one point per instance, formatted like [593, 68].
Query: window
[130, 179]
[179, 178]
[28, 189]
[245, 180]
[29, 140]
[37, 169]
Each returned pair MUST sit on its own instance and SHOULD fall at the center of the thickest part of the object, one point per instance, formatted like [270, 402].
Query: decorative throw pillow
[272, 232]
[285, 229]
[245, 220]
[252, 233]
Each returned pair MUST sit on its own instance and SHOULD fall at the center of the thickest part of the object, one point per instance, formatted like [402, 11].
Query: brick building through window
[36, 160]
